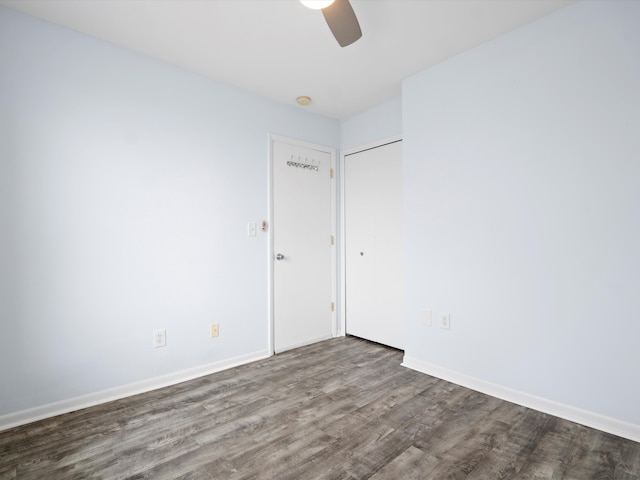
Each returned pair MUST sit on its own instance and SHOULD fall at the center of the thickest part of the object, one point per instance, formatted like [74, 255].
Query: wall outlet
[160, 338]
[426, 318]
[445, 321]
[213, 330]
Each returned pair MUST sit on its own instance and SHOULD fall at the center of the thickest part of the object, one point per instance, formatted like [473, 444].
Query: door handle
[279, 256]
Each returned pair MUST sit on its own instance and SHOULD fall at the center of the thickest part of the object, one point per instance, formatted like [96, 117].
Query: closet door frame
[342, 224]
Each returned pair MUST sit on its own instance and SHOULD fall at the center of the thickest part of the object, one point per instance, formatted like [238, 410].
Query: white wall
[376, 123]
[125, 189]
[522, 210]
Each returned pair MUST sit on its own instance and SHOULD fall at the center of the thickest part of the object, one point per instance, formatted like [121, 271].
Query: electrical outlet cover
[214, 330]
[160, 338]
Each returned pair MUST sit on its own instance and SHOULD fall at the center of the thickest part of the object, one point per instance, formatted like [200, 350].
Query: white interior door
[303, 253]
[372, 211]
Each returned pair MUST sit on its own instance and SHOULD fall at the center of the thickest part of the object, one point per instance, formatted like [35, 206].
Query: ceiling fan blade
[343, 22]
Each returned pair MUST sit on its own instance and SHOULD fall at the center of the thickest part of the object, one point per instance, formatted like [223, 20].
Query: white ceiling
[281, 49]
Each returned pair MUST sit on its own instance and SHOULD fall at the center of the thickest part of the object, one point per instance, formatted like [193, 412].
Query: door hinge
[331, 239]
[333, 307]
[331, 173]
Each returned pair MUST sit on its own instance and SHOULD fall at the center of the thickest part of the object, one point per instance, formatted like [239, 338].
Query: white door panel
[302, 228]
[373, 244]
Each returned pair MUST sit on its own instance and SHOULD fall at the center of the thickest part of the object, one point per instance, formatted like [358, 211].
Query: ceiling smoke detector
[303, 100]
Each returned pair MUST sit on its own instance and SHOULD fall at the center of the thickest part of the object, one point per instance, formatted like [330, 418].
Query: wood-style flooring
[339, 409]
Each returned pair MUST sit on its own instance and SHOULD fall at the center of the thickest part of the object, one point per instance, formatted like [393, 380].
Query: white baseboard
[76, 403]
[611, 425]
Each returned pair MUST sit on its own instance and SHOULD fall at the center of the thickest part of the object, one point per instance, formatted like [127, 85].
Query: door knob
[279, 256]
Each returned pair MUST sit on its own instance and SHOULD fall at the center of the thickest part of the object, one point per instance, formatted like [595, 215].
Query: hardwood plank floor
[339, 409]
